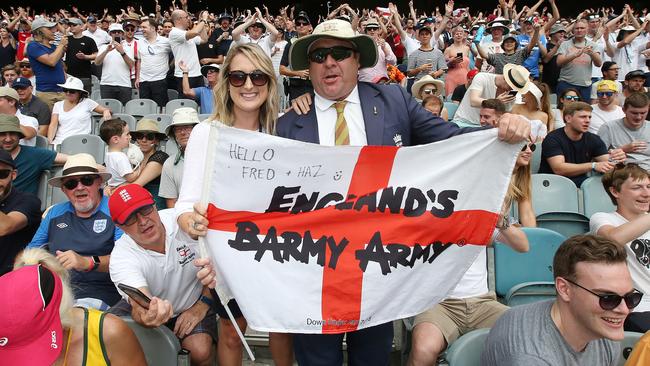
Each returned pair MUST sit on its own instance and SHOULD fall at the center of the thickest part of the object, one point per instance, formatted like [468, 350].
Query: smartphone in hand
[135, 295]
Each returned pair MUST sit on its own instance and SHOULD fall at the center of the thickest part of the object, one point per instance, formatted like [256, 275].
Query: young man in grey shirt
[583, 325]
[630, 133]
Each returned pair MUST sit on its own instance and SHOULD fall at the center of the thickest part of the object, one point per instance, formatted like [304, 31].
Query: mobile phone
[459, 54]
[118, 39]
[512, 93]
[135, 295]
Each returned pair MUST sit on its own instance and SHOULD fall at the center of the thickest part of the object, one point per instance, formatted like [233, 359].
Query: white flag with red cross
[317, 239]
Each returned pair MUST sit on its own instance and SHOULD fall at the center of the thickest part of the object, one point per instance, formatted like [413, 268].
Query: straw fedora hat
[337, 29]
[427, 79]
[147, 125]
[79, 164]
[518, 77]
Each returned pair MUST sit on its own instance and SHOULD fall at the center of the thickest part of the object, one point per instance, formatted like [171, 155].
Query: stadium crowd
[102, 133]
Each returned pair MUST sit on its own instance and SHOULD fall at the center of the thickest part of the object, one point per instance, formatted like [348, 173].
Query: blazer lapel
[373, 114]
[308, 127]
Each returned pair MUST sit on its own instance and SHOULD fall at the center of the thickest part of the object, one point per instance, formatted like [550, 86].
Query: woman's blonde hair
[223, 103]
[35, 256]
[546, 105]
[520, 184]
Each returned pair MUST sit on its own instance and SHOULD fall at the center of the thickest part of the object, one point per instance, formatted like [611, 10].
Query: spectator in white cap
[31, 105]
[116, 61]
[202, 94]
[183, 121]
[46, 60]
[73, 115]
[9, 105]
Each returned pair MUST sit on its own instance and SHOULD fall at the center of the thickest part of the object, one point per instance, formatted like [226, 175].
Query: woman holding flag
[245, 97]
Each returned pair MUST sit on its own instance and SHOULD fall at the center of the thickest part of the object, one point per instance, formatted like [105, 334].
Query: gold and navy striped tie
[341, 132]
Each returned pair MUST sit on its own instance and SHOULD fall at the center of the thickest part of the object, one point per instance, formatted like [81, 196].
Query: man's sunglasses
[147, 136]
[301, 24]
[611, 301]
[25, 66]
[532, 147]
[338, 53]
[572, 97]
[604, 94]
[4, 173]
[429, 91]
[86, 180]
[133, 217]
[238, 78]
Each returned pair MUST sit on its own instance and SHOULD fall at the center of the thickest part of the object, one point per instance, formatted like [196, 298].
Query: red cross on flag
[316, 239]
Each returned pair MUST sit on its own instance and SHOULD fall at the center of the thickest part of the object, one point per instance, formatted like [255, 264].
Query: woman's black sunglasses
[238, 78]
[148, 136]
[532, 147]
[339, 53]
[611, 301]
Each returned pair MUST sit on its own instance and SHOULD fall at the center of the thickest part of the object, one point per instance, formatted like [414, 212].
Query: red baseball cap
[126, 200]
[30, 324]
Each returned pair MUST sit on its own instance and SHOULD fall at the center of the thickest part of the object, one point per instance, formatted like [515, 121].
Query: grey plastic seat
[140, 107]
[90, 144]
[170, 147]
[172, 94]
[160, 345]
[526, 293]
[42, 142]
[43, 189]
[163, 120]
[595, 199]
[135, 93]
[173, 105]
[113, 104]
[536, 158]
[129, 119]
[466, 350]
[56, 195]
[554, 193]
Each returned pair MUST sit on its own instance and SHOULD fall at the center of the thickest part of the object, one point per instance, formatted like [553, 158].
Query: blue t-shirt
[204, 98]
[30, 163]
[532, 62]
[46, 76]
[62, 229]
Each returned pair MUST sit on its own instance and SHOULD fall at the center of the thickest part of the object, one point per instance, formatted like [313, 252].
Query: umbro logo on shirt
[62, 225]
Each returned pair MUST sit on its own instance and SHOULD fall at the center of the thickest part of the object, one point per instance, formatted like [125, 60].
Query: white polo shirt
[185, 50]
[115, 71]
[154, 58]
[170, 276]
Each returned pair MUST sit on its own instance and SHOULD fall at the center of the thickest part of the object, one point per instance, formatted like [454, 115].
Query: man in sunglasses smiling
[583, 324]
[80, 232]
[606, 109]
[348, 112]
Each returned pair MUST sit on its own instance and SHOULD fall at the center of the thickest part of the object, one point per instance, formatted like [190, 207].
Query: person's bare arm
[560, 167]
[29, 132]
[121, 344]
[526, 213]
[531, 11]
[632, 36]
[515, 238]
[412, 13]
[51, 59]
[171, 202]
[269, 27]
[533, 42]
[241, 29]
[151, 171]
[482, 51]
[53, 126]
[11, 222]
[627, 232]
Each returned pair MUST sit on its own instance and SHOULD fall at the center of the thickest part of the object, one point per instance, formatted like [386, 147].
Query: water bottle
[479, 34]
[183, 357]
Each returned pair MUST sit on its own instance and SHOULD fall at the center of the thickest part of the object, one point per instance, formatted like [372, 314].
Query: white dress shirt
[326, 115]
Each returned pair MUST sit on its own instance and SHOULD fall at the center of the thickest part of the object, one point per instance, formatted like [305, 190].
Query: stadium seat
[512, 268]
[140, 107]
[466, 350]
[451, 109]
[135, 93]
[536, 158]
[463, 124]
[43, 189]
[595, 199]
[95, 95]
[56, 195]
[173, 105]
[565, 223]
[627, 344]
[204, 116]
[160, 345]
[163, 120]
[42, 142]
[113, 104]
[170, 147]
[553, 98]
[129, 119]
[90, 144]
[554, 193]
[94, 80]
[528, 292]
[172, 94]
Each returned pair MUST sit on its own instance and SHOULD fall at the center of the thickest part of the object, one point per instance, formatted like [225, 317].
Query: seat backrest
[512, 268]
[90, 144]
[163, 120]
[451, 109]
[135, 93]
[554, 193]
[467, 349]
[129, 119]
[113, 104]
[566, 223]
[595, 199]
[536, 158]
[42, 142]
[44, 189]
[160, 345]
[170, 147]
[140, 107]
[528, 292]
[172, 94]
[627, 344]
[173, 105]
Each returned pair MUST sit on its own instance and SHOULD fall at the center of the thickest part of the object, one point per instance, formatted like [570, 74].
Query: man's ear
[562, 288]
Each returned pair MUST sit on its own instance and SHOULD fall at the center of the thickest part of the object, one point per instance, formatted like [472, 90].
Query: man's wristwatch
[504, 222]
[593, 166]
[96, 262]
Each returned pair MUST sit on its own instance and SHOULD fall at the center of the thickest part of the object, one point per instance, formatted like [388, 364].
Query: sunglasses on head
[571, 97]
[238, 78]
[143, 211]
[338, 53]
[86, 180]
[4, 173]
[604, 94]
[429, 91]
[147, 136]
[531, 146]
[611, 301]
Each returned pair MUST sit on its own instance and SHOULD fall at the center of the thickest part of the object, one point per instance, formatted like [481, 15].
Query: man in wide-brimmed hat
[80, 232]
[349, 112]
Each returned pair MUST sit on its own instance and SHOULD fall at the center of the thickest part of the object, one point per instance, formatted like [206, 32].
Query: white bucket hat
[79, 164]
[115, 27]
[73, 83]
[517, 77]
[183, 117]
